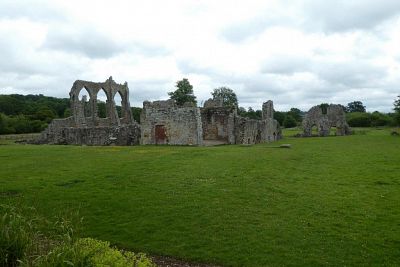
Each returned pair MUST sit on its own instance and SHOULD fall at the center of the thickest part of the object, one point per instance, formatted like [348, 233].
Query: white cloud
[297, 53]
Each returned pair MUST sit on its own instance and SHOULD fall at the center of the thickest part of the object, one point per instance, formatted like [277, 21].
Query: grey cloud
[244, 30]
[286, 64]
[94, 44]
[316, 16]
[187, 67]
[85, 41]
[352, 74]
[240, 32]
[36, 10]
[141, 90]
[344, 15]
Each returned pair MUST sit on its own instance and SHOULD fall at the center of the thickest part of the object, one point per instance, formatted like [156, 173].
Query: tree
[183, 93]
[279, 116]
[289, 121]
[2, 124]
[227, 95]
[296, 114]
[358, 119]
[397, 110]
[355, 106]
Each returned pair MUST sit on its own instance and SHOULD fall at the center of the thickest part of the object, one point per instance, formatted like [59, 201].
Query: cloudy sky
[298, 53]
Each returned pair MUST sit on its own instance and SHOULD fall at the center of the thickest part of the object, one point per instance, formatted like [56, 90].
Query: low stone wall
[97, 136]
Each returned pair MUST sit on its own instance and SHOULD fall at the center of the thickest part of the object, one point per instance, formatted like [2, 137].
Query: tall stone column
[268, 110]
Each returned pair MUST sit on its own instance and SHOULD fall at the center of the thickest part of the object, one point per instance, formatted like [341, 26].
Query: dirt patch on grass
[164, 261]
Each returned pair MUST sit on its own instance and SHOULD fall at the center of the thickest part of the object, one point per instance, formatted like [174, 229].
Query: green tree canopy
[296, 114]
[355, 106]
[183, 93]
[279, 116]
[289, 121]
[227, 95]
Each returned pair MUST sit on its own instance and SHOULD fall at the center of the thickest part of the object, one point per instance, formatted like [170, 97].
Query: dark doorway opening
[161, 135]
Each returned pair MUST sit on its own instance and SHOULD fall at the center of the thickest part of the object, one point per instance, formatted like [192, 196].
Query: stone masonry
[85, 127]
[324, 120]
[163, 122]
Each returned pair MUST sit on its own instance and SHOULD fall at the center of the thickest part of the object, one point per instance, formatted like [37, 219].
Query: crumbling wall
[124, 135]
[251, 131]
[324, 121]
[163, 122]
[218, 123]
[85, 127]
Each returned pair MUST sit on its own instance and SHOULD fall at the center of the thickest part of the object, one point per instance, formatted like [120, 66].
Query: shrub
[380, 119]
[39, 242]
[15, 236]
[359, 119]
[92, 252]
[289, 121]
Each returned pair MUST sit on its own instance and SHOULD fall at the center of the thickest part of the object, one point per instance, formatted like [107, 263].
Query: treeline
[32, 113]
[356, 116]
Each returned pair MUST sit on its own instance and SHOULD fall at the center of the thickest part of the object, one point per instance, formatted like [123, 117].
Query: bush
[380, 119]
[16, 235]
[289, 121]
[91, 252]
[39, 242]
[359, 119]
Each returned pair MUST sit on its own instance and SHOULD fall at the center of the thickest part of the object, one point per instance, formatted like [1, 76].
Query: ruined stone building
[162, 122]
[324, 119]
[86, 127]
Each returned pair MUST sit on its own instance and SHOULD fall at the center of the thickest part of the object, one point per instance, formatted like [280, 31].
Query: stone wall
[324, 121]
[124, 135]
[85, 127]
[250, 131]
[223, 124]
[218, 124]
[163, 122]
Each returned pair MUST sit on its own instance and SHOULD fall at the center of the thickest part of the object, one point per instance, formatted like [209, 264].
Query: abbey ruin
[324, 118]
[85, 127]
[162, 122]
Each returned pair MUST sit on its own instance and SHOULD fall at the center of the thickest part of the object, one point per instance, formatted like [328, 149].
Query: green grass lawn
[331, 201]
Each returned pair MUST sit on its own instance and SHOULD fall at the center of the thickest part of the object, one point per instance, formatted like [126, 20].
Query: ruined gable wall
[334, 117]
[181, 125]
[218, 123]
[81, 130]
[250, 131]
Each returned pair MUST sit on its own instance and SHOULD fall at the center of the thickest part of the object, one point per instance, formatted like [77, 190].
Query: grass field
[331, 201]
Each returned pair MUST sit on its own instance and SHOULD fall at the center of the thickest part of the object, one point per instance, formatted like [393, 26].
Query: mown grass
[326, 201]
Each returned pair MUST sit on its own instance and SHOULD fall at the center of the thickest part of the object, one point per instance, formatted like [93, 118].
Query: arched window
[101, 104]
[118, 103]
[84, 97]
